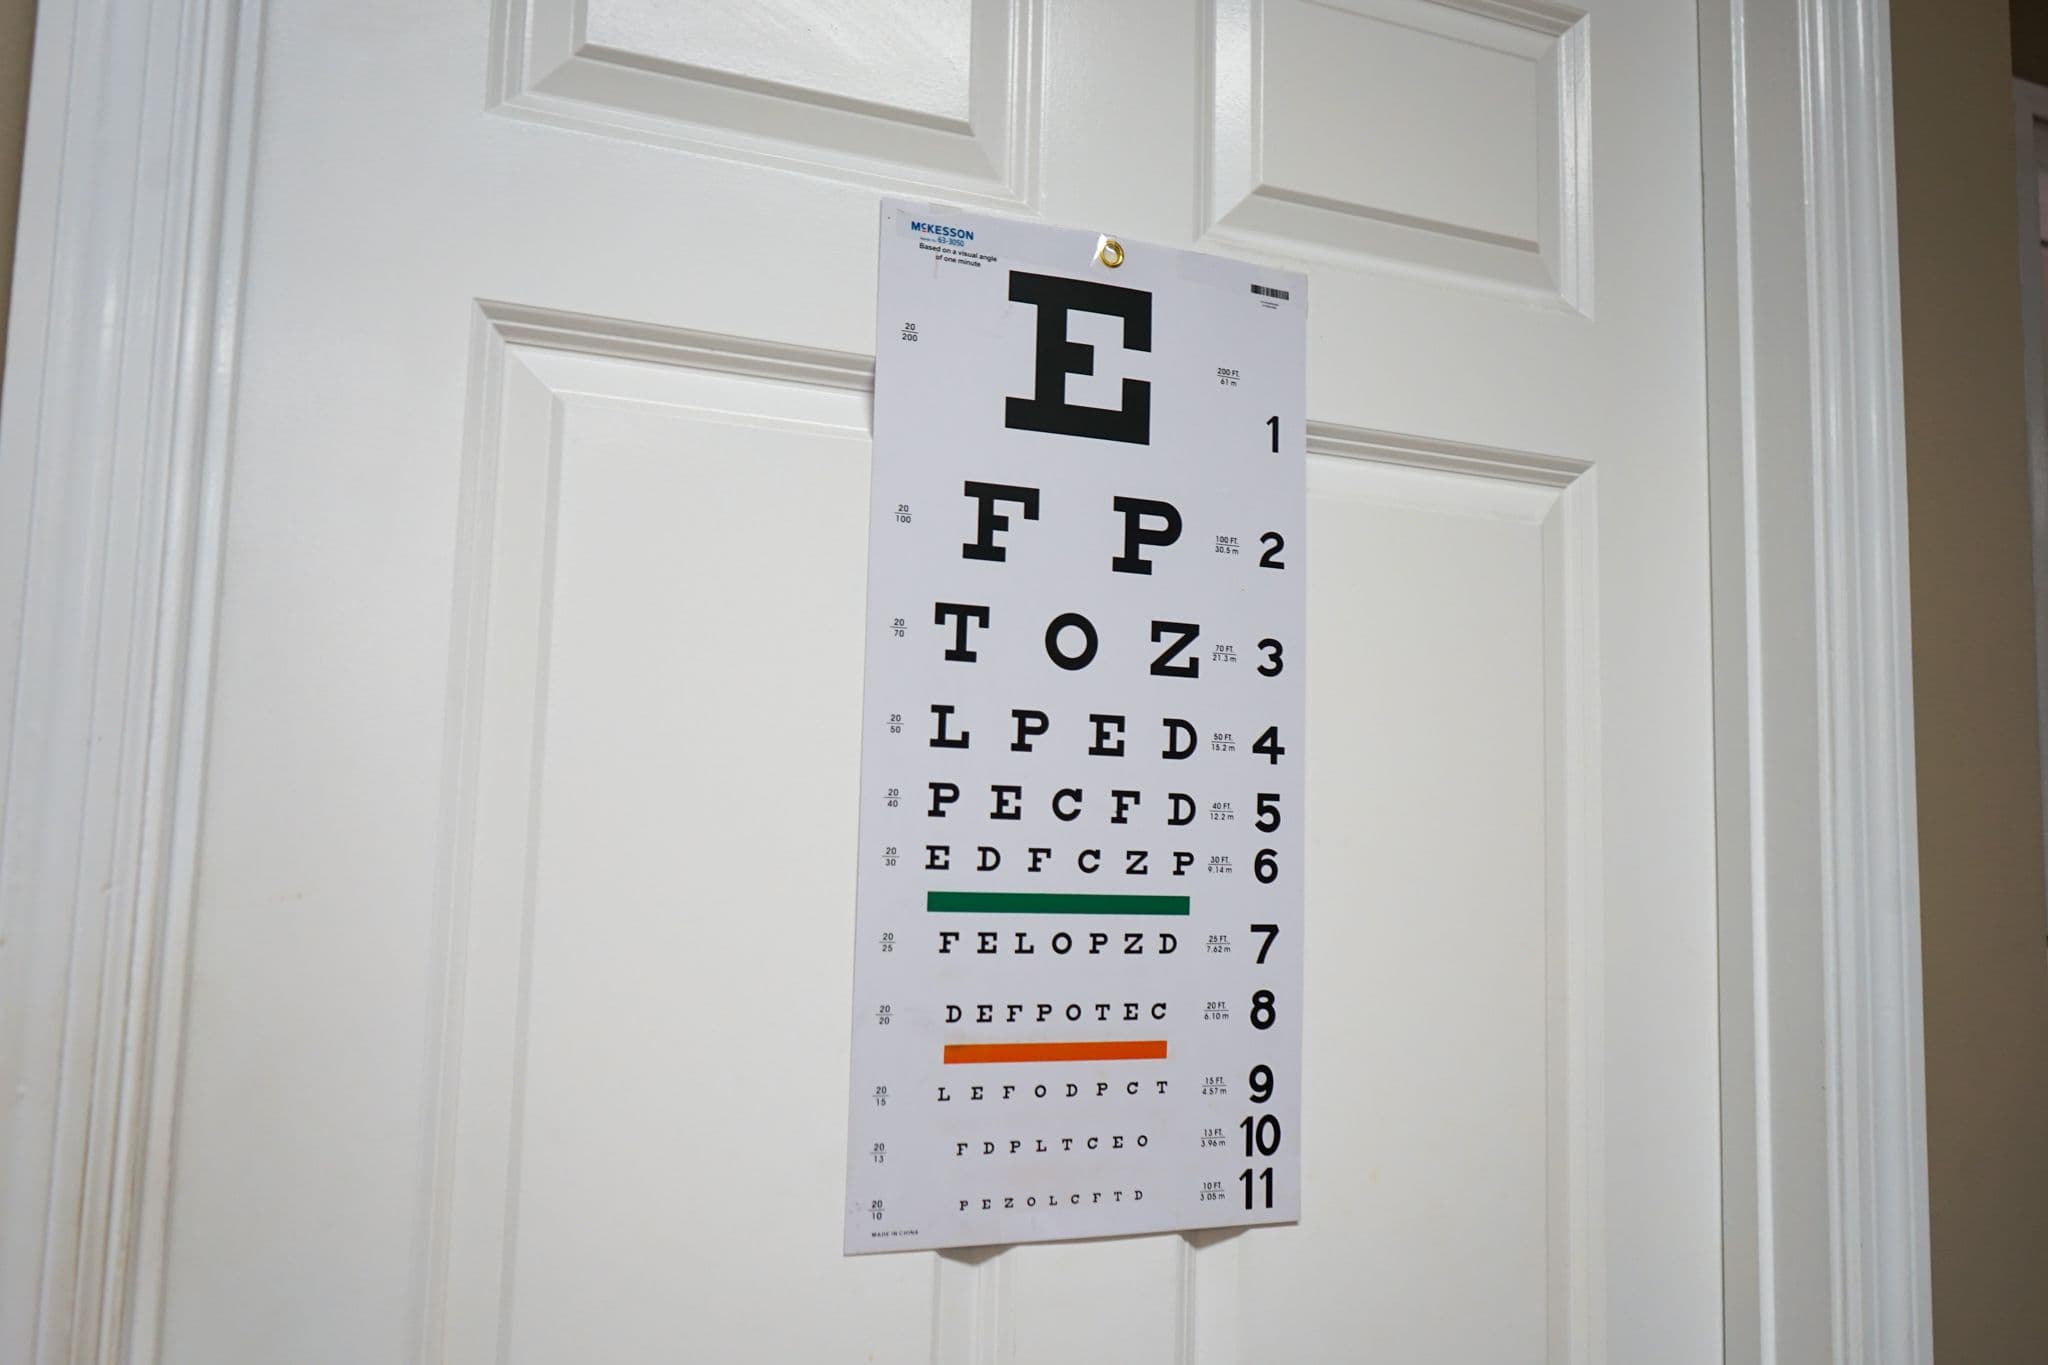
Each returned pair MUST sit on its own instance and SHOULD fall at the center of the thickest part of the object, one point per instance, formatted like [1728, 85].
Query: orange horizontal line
[1142, 1050]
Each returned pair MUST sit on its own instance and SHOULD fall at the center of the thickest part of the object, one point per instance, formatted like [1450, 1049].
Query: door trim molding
[1824, 1109]
[113, 468]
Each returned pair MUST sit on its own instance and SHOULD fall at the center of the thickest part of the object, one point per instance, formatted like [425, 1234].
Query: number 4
[1269, 744]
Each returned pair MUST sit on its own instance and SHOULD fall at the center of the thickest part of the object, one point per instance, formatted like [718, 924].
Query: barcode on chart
[1269, 292]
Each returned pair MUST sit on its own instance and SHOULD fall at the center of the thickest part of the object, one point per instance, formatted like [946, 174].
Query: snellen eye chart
[1078, 952]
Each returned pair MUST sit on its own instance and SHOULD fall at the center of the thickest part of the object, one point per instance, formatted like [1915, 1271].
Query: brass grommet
[1110, 252]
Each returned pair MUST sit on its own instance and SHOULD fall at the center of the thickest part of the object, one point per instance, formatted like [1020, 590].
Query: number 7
[1271, 931]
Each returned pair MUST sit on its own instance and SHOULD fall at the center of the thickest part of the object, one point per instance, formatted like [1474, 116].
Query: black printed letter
[1136, 534]
[1029, 723]
[988, 521]
[1047, 409]
[1183, 634]
[1070, 662]
[943, 612]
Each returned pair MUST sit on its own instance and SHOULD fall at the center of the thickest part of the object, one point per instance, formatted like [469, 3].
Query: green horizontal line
[1049, 903]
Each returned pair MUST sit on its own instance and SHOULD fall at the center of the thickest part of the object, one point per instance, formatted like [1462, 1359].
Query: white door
[522, 954]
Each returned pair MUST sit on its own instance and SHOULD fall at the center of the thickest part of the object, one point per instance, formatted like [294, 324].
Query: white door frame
[113, 474]
[1824, 1107]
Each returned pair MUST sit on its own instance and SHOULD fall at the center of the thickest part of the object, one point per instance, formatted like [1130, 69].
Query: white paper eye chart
[1077, 972]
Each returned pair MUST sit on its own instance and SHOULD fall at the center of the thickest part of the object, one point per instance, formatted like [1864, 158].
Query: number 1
[1274, 422]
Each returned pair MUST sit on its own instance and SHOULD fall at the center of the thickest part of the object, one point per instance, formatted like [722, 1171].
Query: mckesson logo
[941, 230]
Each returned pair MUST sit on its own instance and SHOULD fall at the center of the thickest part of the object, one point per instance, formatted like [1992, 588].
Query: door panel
[1425, 137]
[936, 98]
[522, 953]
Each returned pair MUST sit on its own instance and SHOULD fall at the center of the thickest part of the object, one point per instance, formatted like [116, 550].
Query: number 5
[1269, 812]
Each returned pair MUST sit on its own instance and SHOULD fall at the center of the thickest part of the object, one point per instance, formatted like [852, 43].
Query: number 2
[1274, 543]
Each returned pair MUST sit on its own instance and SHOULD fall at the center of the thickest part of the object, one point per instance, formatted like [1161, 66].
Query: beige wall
[1973, 640]
[1980, 854]
[17, 29]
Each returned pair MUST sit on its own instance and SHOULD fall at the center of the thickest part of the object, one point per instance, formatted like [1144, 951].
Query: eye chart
[1077, 973]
